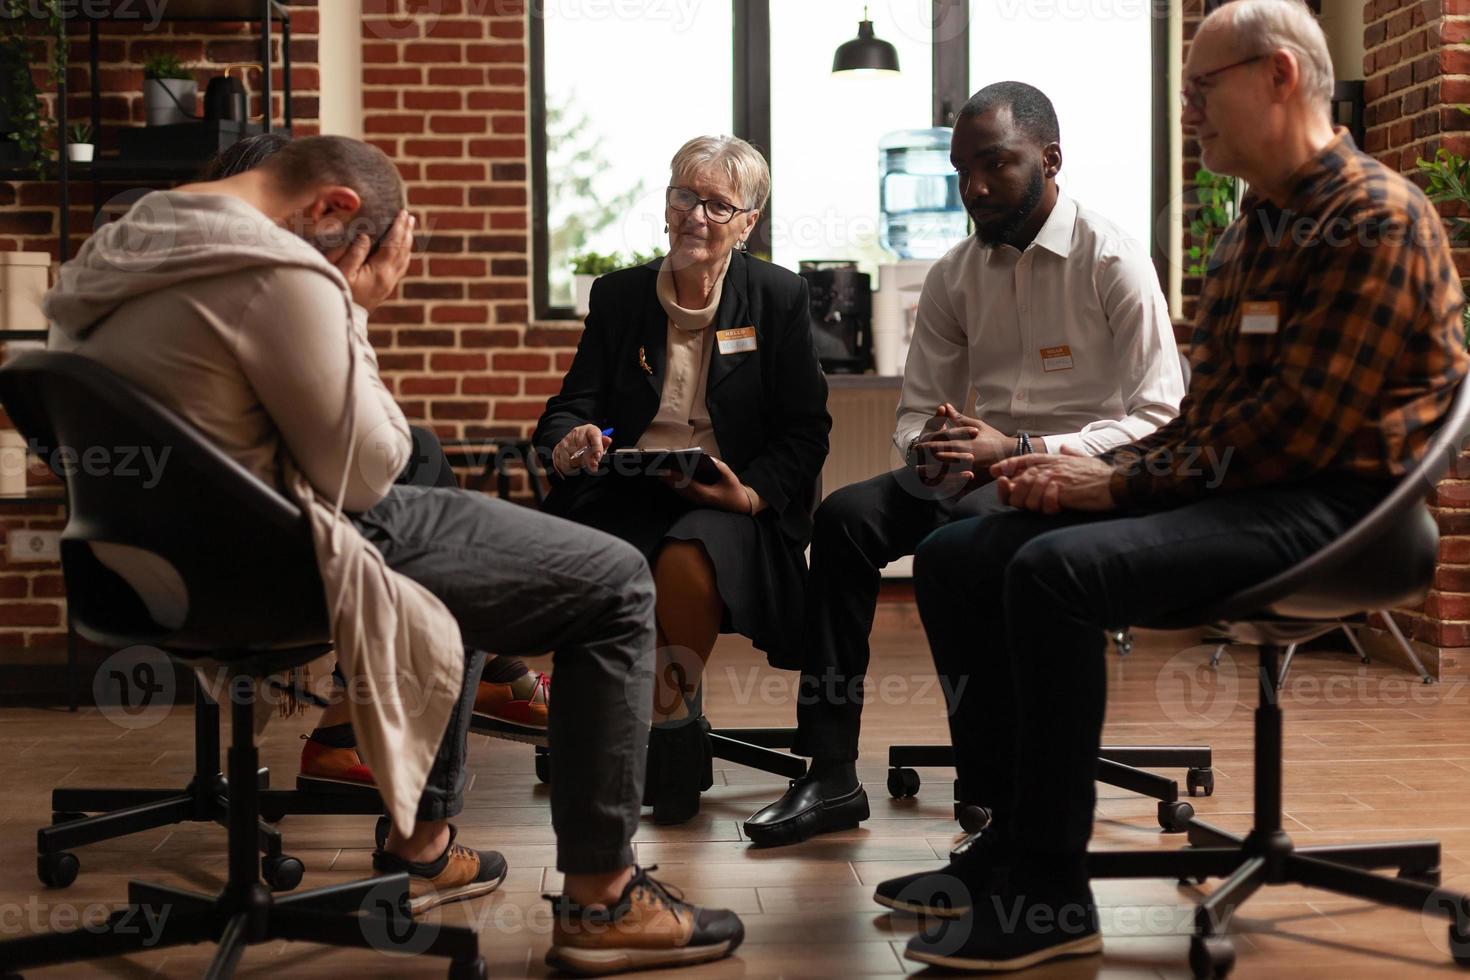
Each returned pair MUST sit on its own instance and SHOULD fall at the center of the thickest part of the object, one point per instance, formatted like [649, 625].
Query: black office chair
[254, 607]
[1386, 560]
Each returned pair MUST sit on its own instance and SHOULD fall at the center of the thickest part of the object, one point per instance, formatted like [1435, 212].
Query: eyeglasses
[716, 210]
[1194, 98]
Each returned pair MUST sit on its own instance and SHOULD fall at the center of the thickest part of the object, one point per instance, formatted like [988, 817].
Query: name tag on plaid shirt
[1262, 316]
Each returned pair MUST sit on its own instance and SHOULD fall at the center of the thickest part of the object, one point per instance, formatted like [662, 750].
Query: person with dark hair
[218, 299]
[512, 699]
[1053, 319]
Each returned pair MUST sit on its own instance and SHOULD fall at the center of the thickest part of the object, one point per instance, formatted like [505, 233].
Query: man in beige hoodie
[242, 304]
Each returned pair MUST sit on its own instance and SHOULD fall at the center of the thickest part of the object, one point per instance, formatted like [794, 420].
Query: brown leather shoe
[649, 926]
[459, 873]
[516, 710]
[324, 766]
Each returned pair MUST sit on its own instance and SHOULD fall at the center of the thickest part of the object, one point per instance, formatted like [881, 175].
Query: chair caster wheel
[57, 869]
[282, 872]
[903, 783]
[1428, 876]
[972, 818]
[1211, 957]
[1460, 946]
[66, 816]
[1174, 817]
[543, 765]
[475, 970]
[380, 832]
[271, 814]
[1200, 779]
[1189, 881]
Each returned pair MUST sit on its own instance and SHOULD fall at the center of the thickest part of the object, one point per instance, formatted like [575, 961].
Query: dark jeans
[522, 583]
[859, 529]
[1015, 605]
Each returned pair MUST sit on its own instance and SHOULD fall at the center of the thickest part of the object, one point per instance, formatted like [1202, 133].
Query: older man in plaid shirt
[1326, 350]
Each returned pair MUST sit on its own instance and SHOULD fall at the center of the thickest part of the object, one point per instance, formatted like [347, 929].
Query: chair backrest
[1386, 559]
[140, 477]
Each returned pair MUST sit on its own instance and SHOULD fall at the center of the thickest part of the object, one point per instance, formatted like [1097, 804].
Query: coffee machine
[841, 315]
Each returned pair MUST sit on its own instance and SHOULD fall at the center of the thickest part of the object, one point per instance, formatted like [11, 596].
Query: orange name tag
[1056, 358]
[736, 341]
[1260, 316]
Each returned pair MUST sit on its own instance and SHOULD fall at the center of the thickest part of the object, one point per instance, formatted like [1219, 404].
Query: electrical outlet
[23, 544]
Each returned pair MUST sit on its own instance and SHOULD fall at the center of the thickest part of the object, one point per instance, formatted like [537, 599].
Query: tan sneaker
[649, 926]
[458, 874]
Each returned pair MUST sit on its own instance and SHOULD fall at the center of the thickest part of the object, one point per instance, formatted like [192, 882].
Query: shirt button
[1020, 396]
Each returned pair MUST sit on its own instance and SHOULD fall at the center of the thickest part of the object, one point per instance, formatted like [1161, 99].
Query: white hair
[740, 161]
[1263, 26]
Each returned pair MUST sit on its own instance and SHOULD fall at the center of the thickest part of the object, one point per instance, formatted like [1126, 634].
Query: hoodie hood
[167, 238]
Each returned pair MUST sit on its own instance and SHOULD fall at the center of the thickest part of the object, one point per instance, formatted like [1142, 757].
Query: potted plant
[1447, 181]
[587, 266]
[23, 122]
[169, 90]
[79, 146]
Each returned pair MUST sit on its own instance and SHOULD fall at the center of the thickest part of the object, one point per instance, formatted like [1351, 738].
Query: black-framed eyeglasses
[716, 210]
[1194, 98]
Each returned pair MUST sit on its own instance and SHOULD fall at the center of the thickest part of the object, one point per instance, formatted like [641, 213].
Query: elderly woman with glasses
[706, 348]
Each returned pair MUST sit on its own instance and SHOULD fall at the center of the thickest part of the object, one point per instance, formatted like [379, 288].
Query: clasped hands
[953, 448]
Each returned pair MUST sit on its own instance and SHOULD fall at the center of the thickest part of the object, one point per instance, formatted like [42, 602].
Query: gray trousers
[523, 583]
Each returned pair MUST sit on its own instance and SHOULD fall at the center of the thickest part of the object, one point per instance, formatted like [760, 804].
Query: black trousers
[1015, 606]
[859, 529]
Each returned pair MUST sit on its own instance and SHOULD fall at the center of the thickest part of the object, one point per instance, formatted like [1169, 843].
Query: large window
[1093, 61]
[825, 128]
[622, 93]
[617, 87]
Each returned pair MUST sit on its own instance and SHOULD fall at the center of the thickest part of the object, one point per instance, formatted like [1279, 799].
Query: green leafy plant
[595, 263]
[19, 100]
[1216, 210]
[643, 258]
[79, 133]
[1447, 180]
[163, 65]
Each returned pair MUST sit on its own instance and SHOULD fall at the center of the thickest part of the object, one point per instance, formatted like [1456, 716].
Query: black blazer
[768, 406]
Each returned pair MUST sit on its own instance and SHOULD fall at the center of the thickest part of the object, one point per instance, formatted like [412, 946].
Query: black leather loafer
[802, 812]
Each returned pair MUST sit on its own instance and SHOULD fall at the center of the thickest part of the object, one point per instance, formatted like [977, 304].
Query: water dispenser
[919, 194]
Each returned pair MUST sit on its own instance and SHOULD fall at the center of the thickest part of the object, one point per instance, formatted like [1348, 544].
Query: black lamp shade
[865, 53]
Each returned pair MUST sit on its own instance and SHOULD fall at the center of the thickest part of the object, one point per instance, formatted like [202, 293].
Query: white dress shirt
[1069, 340]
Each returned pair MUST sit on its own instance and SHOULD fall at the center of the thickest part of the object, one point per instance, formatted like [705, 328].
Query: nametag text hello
[1056, 358]
[736, 341]
[1260, 316]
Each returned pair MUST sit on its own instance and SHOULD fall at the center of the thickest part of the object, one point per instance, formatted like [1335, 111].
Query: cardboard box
[23, 281]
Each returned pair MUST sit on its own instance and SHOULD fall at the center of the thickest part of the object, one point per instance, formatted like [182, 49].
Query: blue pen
[607, 432]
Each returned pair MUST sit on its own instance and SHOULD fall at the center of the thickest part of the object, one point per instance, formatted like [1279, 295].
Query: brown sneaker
[649, 926]
[459, 873]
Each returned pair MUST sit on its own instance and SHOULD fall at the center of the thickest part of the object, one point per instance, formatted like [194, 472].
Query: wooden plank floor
[1371, 755]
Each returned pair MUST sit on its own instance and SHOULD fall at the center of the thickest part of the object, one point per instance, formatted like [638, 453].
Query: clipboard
[693, 464]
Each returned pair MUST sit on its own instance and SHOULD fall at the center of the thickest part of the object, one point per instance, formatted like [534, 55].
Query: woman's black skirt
[760, 572]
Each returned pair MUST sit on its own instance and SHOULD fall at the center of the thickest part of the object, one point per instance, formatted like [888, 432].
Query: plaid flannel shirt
[1364, 359]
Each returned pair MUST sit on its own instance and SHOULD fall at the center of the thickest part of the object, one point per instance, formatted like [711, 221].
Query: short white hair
[740, 161]
[1263, 26]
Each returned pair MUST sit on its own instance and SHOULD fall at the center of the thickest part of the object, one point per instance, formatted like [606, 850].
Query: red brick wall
[1416, 69]
[445, 94]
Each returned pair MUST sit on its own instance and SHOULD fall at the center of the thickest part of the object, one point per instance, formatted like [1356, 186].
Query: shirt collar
[1056, 232]
[1056, 235]
[1310, 178]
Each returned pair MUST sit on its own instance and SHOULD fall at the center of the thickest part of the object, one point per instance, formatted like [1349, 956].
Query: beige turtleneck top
[683, 418]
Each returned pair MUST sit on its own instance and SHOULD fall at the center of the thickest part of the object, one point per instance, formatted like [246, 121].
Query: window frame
[751, 49]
